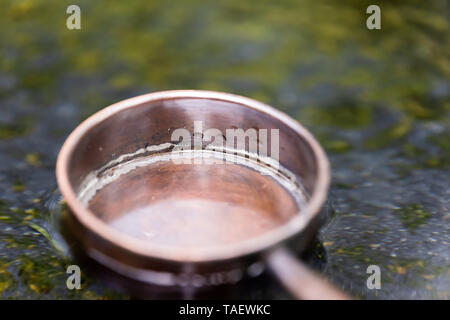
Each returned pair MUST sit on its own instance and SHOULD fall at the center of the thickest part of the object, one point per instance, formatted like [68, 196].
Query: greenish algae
[18, 128]
[40, 265]
[332, 144]
[18, 185]
[6, 278]
[394, 134]
[412, 216]
[346, 115]
[419, 158]
[34, 159]
[441, 141]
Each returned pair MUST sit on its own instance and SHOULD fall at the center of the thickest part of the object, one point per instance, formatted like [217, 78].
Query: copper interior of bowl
[189, 204]
[192, 205]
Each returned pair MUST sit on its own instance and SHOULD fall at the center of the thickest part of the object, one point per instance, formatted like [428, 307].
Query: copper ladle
[130, 126]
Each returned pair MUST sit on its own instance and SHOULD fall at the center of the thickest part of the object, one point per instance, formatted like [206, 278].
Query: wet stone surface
[377, 101]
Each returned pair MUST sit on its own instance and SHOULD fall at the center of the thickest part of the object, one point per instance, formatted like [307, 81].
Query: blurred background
[377, 100]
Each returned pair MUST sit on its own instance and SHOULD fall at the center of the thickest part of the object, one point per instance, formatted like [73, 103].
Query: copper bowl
[130, 126]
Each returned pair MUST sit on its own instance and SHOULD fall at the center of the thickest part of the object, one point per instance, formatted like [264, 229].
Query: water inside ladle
[193, 204]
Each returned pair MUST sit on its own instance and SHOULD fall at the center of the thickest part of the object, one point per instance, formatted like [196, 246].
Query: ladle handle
[302, 282]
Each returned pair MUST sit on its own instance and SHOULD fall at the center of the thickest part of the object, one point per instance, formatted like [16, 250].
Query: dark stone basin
[378, 101]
